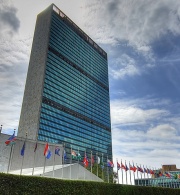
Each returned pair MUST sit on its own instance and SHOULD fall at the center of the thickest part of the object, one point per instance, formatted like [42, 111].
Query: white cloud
[130, 113]
[14, 57]
[163, 131]
[14, 51]
[145, 147]
[138, 22]
[124, 66]
[146, 141]
[12, 80]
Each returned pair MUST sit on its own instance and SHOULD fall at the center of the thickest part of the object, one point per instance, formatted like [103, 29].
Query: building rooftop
[81, 33]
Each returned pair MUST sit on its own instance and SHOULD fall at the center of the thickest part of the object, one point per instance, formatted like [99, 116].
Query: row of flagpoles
[144, 172]
[132, 169]
[47, 153]
[135, 172]
[124, 167]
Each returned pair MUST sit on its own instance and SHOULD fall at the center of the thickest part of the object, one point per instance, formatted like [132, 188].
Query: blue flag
[57, 150]
[23, 150]
[65, 157]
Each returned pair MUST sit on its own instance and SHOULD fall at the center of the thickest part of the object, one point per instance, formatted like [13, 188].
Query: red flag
[123, 166]
[167, 174]
[46, 148]
[85, 161]
[140, 169]
[133, 168]
[151, 172]
[11, 139]
[92, 159]
[160, 174]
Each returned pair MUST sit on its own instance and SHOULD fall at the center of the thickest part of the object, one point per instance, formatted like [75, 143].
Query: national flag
[85, 161]
[145, 170]
[57, 150]
[167, 174]
[148, 171]
[65, 156]
[160, 174]
[73, 154]
[140, 169]
[92, 160]
[98, 160]
[123, 166]
[23, 149]
[11, 139]
[79, 156]
[126, 168]
[47, 152]
[118, 166]
[35, 148]
[110, 163]
[132, 168]
[102, 163]
[151, 172]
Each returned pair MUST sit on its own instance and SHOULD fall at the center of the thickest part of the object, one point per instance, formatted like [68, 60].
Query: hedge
[30, 185]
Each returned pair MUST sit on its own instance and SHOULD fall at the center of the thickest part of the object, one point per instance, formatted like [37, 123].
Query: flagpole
[44, 161]
[107, 170]
[91, 161]
[147, 172]
[34, 157]
[97, 163]
[78, 155]
[122, 171]
[126, 172]
[163, 177]
[44, 166]
[63, 160]
[144, 172]
[130, 173]
[71, 161]
[83, 162]
[23, 155]
[78, 164]
[133, 172]
[137, 174]
[141, 174]
[117, 170]
[54, 159]
[10, 155]
[102, 168]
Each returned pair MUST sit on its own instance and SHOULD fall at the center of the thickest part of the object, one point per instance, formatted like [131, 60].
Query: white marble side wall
[30, 111]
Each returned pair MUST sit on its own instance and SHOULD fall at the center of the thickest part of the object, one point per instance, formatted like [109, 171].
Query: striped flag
[47, 152]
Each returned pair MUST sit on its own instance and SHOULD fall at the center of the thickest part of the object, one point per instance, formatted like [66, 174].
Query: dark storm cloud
[112, 7]
[8, 19]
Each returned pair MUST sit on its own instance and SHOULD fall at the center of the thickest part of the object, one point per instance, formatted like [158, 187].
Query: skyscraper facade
[66, 97]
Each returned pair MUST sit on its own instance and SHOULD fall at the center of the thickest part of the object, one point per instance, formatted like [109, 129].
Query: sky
[142, 39]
